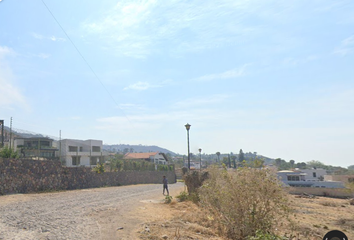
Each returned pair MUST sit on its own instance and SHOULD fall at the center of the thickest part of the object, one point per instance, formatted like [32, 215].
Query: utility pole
[2, 132]
[39, 147]
[60, 146]
[10, 131]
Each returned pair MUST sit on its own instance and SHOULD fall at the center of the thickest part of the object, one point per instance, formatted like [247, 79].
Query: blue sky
[275, 77]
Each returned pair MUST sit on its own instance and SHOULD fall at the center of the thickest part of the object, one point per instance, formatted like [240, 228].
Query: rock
[164, 237]
[147, 229]
[351, 201]
[120, 228]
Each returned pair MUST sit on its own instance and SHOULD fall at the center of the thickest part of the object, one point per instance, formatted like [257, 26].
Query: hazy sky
[275, 77]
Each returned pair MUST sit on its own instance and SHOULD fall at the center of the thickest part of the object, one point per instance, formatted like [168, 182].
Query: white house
[314, 174]
[80, 152]
[299, 179]
[155, 157]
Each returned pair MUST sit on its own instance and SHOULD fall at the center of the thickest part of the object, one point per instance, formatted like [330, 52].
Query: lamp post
[200, 155]
[188, 126]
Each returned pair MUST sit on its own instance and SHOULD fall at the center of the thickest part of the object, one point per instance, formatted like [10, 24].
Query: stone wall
[326, 192]
[24, 176]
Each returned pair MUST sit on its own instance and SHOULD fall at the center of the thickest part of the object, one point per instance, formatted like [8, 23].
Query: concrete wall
[24, 176]
[343, 178]
[328, 192]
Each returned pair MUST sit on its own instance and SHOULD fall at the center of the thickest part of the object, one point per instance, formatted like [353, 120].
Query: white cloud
[346, 47]
[52, 38]
[140, 86]
[10, 95]
[233, 73]
[139, 28]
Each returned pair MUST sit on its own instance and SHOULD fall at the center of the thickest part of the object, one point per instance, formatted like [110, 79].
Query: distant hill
[19, 133]
[136, 148]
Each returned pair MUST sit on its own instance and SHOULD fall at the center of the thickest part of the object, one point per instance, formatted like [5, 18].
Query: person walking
[165, 185]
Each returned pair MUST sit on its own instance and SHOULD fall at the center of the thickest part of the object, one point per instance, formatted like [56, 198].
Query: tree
[218, 154]
[316, 164]
[257, 163]
[8, 153]
[225, 161]
[301, 165]
[351, 167]
[278, 162]
[234, 160]
[241, 156]
[292, 163]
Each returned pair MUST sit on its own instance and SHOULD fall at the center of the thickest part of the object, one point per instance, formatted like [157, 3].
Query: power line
[89, 66]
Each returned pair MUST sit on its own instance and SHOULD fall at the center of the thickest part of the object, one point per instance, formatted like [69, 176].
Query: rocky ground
[100, 213]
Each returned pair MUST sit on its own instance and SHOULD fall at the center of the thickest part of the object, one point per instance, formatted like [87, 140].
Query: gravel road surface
[79, 214]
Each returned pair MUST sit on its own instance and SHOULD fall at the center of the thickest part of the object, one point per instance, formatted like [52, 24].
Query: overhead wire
[87, 63]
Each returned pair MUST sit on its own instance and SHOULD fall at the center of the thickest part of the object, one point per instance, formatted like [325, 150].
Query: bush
[99, 168]
[265, 236]
[168, 199]
[244, 202]
[183, 196]
[7, 152]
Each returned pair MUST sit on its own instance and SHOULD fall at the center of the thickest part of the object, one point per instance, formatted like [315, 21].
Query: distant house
[301, 179]
[343, 178]
[40, 147]
[81, 152]
[155, 157]
[314, 174]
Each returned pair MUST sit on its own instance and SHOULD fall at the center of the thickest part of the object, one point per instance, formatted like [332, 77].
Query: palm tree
[218, 154]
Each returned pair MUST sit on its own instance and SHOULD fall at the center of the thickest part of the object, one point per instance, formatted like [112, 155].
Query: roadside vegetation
[244, 203]
[7, 152]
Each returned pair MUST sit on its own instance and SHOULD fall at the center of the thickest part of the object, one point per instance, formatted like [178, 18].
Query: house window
[293, 178]
[72, 149]
[314, 174]
[96, 149]
[75, 160]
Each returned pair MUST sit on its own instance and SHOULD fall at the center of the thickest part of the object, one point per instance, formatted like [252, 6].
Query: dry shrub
[244, 202]
[194, 180]
[329, 204]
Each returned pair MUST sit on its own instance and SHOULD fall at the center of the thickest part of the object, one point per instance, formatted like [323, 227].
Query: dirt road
[99, 213]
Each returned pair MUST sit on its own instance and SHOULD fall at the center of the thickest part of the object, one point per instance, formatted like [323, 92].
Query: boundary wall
[325, 192]
[26, 176]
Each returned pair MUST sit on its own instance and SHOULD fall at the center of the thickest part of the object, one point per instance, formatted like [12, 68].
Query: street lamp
[200, 164]
[188, 126]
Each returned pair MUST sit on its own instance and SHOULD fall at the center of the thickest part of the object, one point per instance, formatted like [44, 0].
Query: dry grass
[309, 220]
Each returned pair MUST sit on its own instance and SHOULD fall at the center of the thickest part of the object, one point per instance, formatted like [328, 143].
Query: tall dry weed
[244, 202]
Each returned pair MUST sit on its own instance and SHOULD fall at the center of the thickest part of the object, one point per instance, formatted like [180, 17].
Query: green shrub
[99, 168]
[183, 196]
[244, 202]
[168, 199]
[7, 152]
[266, 236]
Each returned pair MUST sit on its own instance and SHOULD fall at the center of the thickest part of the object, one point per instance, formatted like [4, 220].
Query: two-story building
[36, 147]
[81, 152]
